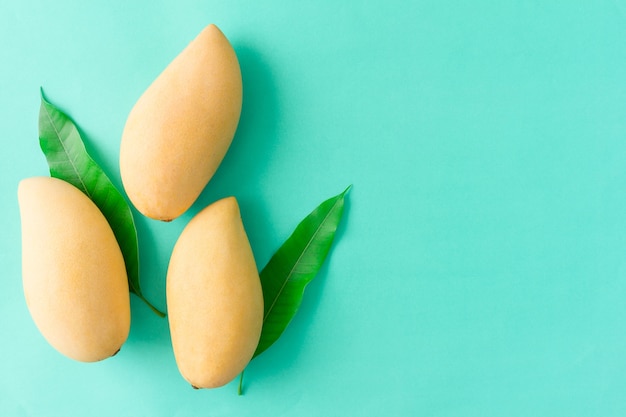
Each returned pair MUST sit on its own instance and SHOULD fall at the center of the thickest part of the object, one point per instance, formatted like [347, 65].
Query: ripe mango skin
[180, 129]
[214, 297]
[73, 271]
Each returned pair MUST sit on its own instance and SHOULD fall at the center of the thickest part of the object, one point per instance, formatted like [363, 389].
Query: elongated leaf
[294, 265]
[68, 160]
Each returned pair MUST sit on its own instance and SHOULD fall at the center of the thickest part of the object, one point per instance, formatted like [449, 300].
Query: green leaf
[68, 160]
[294, 265]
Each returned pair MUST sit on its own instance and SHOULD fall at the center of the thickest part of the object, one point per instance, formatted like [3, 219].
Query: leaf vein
[58, 134]
[306, 248]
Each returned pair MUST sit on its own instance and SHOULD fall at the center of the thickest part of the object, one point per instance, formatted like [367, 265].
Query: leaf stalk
[240, 387]
[153, 308]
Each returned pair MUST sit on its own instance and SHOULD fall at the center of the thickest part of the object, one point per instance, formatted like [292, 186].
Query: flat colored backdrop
[481, 266]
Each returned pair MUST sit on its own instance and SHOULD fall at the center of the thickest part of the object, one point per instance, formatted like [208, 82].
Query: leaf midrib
[58, 134]
[298, 260]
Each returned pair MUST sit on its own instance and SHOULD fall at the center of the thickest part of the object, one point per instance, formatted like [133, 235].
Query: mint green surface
[480, 269]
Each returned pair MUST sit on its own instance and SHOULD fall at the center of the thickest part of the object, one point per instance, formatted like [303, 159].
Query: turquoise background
[480, 269]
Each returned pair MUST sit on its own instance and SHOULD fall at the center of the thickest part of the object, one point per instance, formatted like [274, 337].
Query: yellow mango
[179, 130]
[73, 272]
[214, 297]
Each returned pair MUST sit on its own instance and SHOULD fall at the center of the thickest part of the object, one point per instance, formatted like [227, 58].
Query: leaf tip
[346, 190]
[44, 100]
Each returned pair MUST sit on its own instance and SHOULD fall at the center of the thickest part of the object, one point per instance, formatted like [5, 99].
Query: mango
[214, 297]
[73, 272]
[180, 129]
